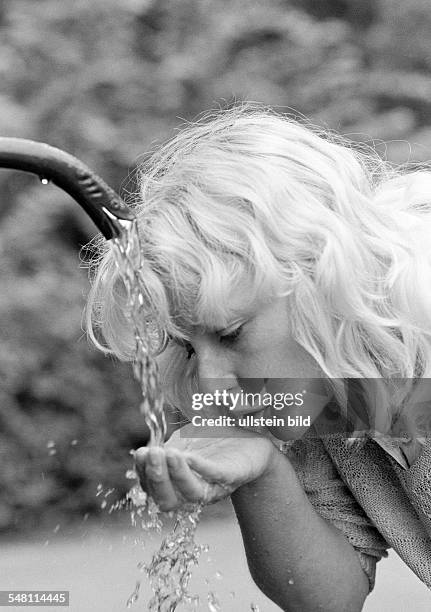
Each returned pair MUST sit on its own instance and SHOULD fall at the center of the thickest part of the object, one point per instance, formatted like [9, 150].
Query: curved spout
[100, 202]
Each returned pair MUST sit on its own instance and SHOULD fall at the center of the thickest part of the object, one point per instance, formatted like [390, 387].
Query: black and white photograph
[215, 305]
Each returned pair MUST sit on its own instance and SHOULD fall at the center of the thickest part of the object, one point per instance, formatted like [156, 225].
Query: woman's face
[253, 353]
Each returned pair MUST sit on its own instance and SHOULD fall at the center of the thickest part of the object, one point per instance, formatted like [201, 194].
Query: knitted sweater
[370, 497]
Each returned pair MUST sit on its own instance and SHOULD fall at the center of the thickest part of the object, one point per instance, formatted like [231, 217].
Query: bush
[104, 80]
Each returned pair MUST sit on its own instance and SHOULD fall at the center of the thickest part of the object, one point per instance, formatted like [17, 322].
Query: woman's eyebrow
[215, 327]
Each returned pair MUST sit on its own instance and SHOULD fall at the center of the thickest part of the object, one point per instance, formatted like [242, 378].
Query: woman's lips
[247, 411]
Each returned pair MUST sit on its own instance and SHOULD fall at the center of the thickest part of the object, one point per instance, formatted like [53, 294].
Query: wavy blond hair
[305, 214]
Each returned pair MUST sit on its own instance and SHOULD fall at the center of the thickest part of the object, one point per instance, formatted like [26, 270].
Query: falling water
[128, 255]
[170, 569]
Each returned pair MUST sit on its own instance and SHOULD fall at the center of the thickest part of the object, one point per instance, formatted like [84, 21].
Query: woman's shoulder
[361, 461]
[373, 474]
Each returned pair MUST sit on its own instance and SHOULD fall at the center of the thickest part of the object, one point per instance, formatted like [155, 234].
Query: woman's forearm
[296, 557]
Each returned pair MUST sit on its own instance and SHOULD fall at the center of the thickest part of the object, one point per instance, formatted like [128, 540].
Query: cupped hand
[191, 470]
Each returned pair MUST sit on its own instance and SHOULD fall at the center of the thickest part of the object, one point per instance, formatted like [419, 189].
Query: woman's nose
[215, 369]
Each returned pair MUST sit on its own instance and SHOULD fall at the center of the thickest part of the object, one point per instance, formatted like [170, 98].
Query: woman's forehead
[216, 315]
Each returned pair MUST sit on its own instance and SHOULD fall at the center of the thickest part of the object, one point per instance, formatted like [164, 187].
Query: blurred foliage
[105, 80]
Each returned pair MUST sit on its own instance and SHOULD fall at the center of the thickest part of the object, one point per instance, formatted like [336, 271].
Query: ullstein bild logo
[288, 407]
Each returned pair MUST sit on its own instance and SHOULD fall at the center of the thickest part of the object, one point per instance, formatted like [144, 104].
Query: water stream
[169, 571]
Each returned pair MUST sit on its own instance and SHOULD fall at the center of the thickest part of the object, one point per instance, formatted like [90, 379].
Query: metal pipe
[100, 202]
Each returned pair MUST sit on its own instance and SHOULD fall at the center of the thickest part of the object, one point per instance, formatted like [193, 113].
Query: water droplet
[74, 443]
[219, 575]
[52, 451]
[50, 444]
[291, 581]
[134, 596]
[213, 603]
[56, 528]
[103, 504]
[138, 497]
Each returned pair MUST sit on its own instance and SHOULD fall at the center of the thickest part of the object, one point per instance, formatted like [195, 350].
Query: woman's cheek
[296, 409]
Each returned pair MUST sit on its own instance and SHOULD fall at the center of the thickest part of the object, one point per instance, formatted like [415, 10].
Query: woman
[275, 255]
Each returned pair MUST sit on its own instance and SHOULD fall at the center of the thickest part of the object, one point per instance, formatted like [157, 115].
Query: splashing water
[213, 603]
[134, 596]
[170, 569]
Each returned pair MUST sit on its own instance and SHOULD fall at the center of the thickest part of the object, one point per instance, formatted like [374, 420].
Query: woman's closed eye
[227, 337]
[231, 336]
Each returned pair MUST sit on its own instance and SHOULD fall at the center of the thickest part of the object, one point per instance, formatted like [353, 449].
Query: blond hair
[304, 214]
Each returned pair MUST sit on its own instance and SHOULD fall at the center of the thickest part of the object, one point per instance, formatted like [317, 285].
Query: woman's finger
[190, 486]
[158, 480]
[206, 468]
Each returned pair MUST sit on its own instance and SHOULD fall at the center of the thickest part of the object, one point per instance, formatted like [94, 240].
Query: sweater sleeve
[333, 501]
[417, 483]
